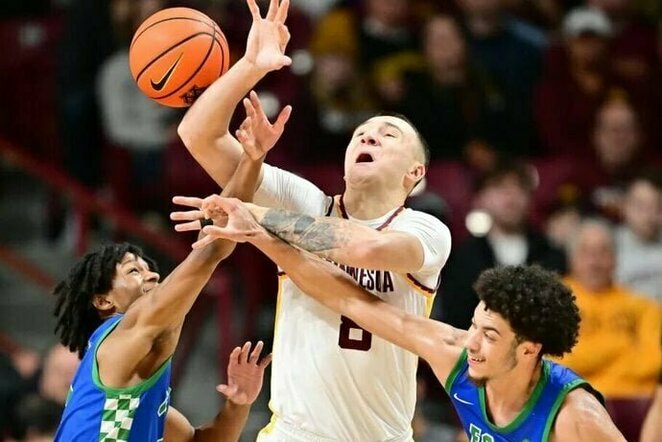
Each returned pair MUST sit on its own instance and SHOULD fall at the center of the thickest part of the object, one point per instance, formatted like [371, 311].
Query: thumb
[285, 61]
[226, 390]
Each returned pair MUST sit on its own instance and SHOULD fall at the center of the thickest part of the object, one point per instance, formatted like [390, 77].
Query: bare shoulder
[582, 417]
[446, 344]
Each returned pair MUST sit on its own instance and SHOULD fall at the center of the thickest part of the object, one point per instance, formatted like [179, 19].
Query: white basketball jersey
[332, 380]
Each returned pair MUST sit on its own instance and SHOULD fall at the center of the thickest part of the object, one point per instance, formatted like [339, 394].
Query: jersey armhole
[133, 390]
[551, 419]
[459, 364]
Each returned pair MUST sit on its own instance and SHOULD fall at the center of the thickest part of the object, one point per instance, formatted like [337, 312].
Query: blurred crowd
[544, 121]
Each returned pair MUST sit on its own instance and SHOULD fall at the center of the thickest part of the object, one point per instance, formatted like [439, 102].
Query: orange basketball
[176, 53]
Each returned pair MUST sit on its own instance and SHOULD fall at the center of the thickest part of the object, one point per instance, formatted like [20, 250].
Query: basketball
[175, 54]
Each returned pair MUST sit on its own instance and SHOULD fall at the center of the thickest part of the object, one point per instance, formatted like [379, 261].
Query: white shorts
[279, 431]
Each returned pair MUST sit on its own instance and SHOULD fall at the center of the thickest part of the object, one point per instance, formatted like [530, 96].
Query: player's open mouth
[365, 158]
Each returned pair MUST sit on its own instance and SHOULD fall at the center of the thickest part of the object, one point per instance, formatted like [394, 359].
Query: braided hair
[77, 318]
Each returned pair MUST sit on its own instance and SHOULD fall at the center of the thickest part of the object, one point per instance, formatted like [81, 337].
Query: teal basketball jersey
[533, 424]
[94, 412]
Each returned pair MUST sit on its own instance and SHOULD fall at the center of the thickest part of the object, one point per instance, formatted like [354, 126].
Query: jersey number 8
[346, 340]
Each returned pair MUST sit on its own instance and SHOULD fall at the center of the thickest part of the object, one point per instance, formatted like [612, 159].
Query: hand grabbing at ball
[268, 37]
[256, 134]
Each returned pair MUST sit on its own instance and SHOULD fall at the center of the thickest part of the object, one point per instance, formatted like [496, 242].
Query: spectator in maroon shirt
[618, 144]
[577, 80]
[633, 41]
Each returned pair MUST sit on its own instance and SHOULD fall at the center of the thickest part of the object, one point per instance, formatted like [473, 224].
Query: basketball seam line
[135, 37]
[170, 49]
[204, 60]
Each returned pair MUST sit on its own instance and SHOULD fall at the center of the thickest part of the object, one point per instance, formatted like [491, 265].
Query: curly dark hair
[77, 318]
[536, 304]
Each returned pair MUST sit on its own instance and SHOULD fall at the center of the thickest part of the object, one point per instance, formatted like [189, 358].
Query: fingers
[285, 61]
[281, 14]
[255, 355]
[265, 361]
[257, 105]
[224, 204]
[204, 242]
[283, 116]
[187, 201]
[273, 10]
[234, 356]
[255, 10]
[248, 107]
[189, 226]
[284, 37]
[189, 215]
[245, 351]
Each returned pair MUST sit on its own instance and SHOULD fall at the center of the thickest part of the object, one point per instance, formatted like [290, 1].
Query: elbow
[187, 133]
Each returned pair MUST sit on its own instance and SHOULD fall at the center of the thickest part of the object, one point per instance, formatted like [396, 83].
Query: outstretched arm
[436, 342]
[344, 241]
[583, 418]
[158, 315]
[204, 128]
[245, 376]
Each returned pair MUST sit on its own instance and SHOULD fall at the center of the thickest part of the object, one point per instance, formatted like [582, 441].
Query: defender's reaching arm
[436, 342]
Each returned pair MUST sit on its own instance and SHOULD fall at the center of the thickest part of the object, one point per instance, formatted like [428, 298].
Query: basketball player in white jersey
[331, 380]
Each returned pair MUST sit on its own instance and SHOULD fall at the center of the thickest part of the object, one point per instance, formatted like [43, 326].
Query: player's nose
[152, 277]
[369, 140]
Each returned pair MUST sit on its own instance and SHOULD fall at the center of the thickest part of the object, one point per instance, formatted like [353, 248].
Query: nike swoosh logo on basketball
[461, 400]
[162, 82]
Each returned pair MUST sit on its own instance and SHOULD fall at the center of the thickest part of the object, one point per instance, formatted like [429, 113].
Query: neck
[362, 204]
[509, 393]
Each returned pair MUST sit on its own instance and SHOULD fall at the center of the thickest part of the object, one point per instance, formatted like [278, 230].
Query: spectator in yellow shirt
[618, 350]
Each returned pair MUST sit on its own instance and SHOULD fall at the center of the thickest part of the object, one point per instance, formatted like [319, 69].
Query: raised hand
[245, 374]
[231, 219]
[256, 134]
[268, 37]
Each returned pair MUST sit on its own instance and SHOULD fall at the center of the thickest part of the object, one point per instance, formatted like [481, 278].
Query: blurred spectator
[138, 126]
[346, 45]
[633, 41]
[37, 419]
[79, 61]
[58, 371]
[620, 155]
[577, 80]
[504, 195]
[448, 98]
[639, 239]
[510, 51]
[18, 366]
[618, 350]
[561, 223]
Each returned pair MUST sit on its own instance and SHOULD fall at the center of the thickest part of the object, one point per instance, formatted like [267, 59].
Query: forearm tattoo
[304, 231]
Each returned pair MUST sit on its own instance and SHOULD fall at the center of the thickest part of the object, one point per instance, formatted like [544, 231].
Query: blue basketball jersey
[94, 412]
[535, 421]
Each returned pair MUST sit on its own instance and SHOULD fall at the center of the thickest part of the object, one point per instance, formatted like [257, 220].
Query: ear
[103, 303]
[531, 349]
[415, 173]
